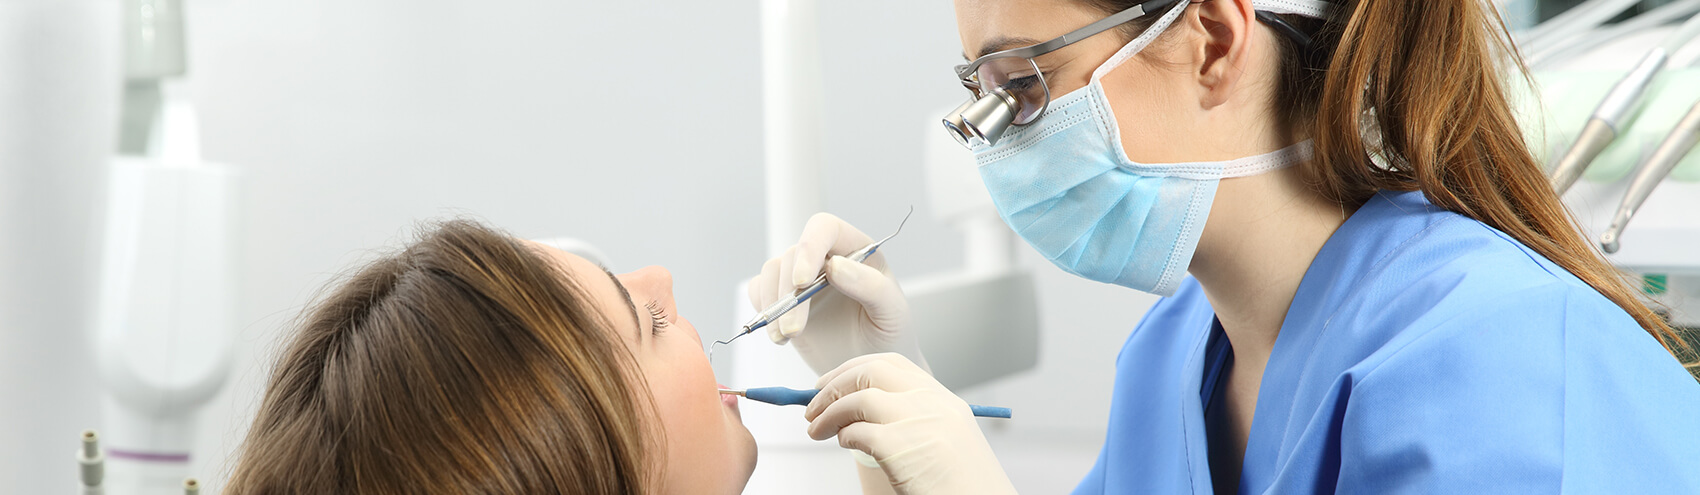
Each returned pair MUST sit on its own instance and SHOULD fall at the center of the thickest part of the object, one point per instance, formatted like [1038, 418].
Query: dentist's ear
[1221, 46]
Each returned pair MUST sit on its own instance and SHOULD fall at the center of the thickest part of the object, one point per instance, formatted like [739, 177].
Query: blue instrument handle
[792, 397]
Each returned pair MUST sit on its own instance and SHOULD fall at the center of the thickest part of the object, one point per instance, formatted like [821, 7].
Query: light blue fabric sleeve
[1511, 396]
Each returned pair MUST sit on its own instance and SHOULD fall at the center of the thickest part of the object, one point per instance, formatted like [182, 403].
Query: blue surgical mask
[1067, 188]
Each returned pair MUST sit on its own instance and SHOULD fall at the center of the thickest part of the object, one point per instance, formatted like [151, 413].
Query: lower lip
[728, 399]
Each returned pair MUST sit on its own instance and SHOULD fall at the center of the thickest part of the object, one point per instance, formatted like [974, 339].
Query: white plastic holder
[162, 340]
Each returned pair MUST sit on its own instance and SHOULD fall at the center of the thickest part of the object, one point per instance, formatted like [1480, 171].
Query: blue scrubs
[1423, 353]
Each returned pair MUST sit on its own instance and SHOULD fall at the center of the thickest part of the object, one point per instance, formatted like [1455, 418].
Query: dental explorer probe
[1676, 145]
[1608, 118]
[781, 396]
[785, 305]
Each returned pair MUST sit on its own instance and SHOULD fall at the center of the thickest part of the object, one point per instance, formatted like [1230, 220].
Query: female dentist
[1385, 294]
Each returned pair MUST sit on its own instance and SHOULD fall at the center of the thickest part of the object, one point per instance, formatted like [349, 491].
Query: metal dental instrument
[1675, 146]
[781, 396]
[782, 306]
[1610, 116]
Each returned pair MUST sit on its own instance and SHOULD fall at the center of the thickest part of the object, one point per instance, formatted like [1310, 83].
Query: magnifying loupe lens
[1020, 77]
[958, 129]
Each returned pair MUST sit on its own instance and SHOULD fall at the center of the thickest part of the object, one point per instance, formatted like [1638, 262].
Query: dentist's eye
[657, 315]
[1021, 84]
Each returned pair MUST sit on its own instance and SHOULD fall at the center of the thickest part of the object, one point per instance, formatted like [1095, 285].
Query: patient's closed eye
[657, 315]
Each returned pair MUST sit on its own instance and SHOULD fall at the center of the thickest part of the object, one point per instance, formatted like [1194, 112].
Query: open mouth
[728, 400]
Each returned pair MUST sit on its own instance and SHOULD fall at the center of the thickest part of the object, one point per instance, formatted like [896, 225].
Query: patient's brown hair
[467, 363]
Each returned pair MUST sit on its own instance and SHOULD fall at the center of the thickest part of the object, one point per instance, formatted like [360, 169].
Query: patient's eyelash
[657, 315]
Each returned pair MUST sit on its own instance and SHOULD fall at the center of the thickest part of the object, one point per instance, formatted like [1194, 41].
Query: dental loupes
[781, 396]
[785, 305]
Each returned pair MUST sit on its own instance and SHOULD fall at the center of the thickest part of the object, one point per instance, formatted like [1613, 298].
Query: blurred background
[334, 129]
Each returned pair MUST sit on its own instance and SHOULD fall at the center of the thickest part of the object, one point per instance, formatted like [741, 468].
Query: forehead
[982, 21]
[604, 295]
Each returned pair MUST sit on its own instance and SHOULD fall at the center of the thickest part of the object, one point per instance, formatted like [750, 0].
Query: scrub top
[1424, 352]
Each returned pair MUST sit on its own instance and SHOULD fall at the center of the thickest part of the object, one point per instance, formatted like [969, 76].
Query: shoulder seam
[1531, 255]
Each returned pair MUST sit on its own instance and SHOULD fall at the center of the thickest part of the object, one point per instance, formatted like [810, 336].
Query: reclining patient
[474, 362]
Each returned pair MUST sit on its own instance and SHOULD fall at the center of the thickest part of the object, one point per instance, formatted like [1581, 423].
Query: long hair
[467, 363]
[1408, 96]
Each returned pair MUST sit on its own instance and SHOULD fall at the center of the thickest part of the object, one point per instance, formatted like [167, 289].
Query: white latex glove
[923, 437]
[862, 311]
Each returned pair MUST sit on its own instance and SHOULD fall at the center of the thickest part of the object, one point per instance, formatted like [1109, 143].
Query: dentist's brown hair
[1427, 75]
[467, 363]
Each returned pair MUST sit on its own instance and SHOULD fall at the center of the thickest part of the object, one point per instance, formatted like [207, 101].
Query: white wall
[634, 125]
[58, 80]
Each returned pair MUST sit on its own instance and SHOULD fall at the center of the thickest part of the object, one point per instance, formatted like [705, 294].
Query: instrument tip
[1608, 242]
[724, 342]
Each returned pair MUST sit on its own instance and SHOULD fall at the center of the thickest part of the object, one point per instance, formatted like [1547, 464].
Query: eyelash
[656, 315]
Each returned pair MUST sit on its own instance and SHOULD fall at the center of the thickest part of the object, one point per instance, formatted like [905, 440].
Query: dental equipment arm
[1658, 165]
[1605, 123]
[1571, 22]
[1559, 51]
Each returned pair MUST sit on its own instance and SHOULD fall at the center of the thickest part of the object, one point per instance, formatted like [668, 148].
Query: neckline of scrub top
[1218, 354]
[1202, 371]
[1293, 346]
[1300, 333]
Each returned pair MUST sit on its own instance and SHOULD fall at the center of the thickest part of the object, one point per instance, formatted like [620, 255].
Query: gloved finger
[774, 335]
[791, 323]
[868, 405]
[880, 374]
[870, 438]
[759, 286]
[761, 289]
[782, 288]
[824, 235]
[879, 294]
[764, 294]
[891, 358]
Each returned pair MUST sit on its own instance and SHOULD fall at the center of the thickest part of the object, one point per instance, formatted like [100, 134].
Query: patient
[473, 362]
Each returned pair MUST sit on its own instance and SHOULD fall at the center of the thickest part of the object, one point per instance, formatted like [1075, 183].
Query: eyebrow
[629, 304]
[1002, 43]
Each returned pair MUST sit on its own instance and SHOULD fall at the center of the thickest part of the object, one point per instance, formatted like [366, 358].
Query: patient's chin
[748, 445]
[741, 452]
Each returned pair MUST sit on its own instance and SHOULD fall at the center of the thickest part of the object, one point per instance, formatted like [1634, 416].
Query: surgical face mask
[1067, 188]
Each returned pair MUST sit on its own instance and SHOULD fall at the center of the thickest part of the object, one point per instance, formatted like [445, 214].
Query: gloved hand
[923, 437]
[862, 312]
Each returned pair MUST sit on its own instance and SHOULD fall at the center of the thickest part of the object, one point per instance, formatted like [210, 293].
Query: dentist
[1385, 296]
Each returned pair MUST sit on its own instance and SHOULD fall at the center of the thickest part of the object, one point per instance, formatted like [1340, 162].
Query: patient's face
[708, 448]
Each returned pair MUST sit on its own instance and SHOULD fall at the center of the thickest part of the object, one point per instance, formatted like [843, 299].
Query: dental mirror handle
[782, 306]
[781, 396]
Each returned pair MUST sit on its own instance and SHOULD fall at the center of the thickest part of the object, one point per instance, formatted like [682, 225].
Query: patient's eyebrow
[629, 304]
[1002, 43]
